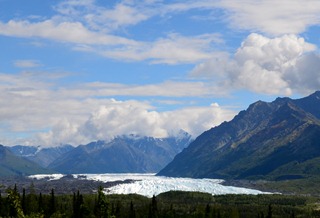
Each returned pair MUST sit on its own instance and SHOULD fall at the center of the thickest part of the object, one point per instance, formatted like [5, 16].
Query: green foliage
[306, 186]
[14, 204]
[79, 209]
[102, 205]
[35, 215]
[11, 165]
[174, 204]
[153, 208]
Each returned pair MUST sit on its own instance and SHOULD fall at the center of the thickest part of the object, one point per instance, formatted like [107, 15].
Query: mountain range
[276, 141]
[12, 165]
[123, 154]
[42, 156]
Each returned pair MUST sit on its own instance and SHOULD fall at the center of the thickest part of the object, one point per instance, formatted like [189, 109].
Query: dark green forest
[170, 204]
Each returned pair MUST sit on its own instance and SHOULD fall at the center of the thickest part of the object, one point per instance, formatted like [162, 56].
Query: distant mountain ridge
[124, 154]
[127, 154]
[12, 165]
[42, 156]
[276, 140]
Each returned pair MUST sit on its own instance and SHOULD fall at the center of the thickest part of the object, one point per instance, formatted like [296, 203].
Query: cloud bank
[272, 17]
[129, 117]
[273, 61]
[40, 112]
[279, 66]
[88, 26]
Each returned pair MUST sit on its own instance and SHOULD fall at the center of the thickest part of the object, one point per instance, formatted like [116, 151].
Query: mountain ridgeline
[41, 156]
[12, 165]
[276, 141]
[125, 154]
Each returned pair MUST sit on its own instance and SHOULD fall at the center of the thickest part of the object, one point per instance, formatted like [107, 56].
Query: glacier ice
[47, 176]
[150, 184]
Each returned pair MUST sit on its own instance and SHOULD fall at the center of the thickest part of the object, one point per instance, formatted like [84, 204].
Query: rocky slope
[277, 140]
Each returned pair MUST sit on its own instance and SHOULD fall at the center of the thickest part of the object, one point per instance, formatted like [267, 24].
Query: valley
[160, 109]
[271, 147]
[66, 185]
[168, 204]
[57, 195]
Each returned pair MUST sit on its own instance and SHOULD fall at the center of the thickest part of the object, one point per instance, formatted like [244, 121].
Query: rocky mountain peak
[263, 141]
[315, 95]
[123, 154]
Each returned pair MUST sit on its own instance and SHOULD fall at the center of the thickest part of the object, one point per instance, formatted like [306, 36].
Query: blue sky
[82, 70]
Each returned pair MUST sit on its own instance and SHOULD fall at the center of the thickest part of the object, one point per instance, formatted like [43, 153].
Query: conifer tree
[31, 201]
[14, 203]
[102, 205]
[40, 204]
[52, 207]
[74, 205]
[207, 212]
[153, 211]
[269, 215]
[132, 212]
[78, 208]
[23, 201]
[1, 205]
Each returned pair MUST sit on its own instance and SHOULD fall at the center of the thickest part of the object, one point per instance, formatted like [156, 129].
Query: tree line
[28, 204]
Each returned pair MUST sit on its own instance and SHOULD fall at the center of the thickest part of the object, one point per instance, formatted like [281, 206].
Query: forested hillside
[171, 204]
[11, 165]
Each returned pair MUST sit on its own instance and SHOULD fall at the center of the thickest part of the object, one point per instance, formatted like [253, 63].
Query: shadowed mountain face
[11, 165]
[41, 156]
[122, 155]
[276, 140]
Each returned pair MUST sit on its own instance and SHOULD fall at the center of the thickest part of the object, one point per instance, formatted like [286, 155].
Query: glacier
[150, 184]
[49, 177]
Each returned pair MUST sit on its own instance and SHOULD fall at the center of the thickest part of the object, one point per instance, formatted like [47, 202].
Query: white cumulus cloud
[37, 111]
[278, 65]
[132, 117]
